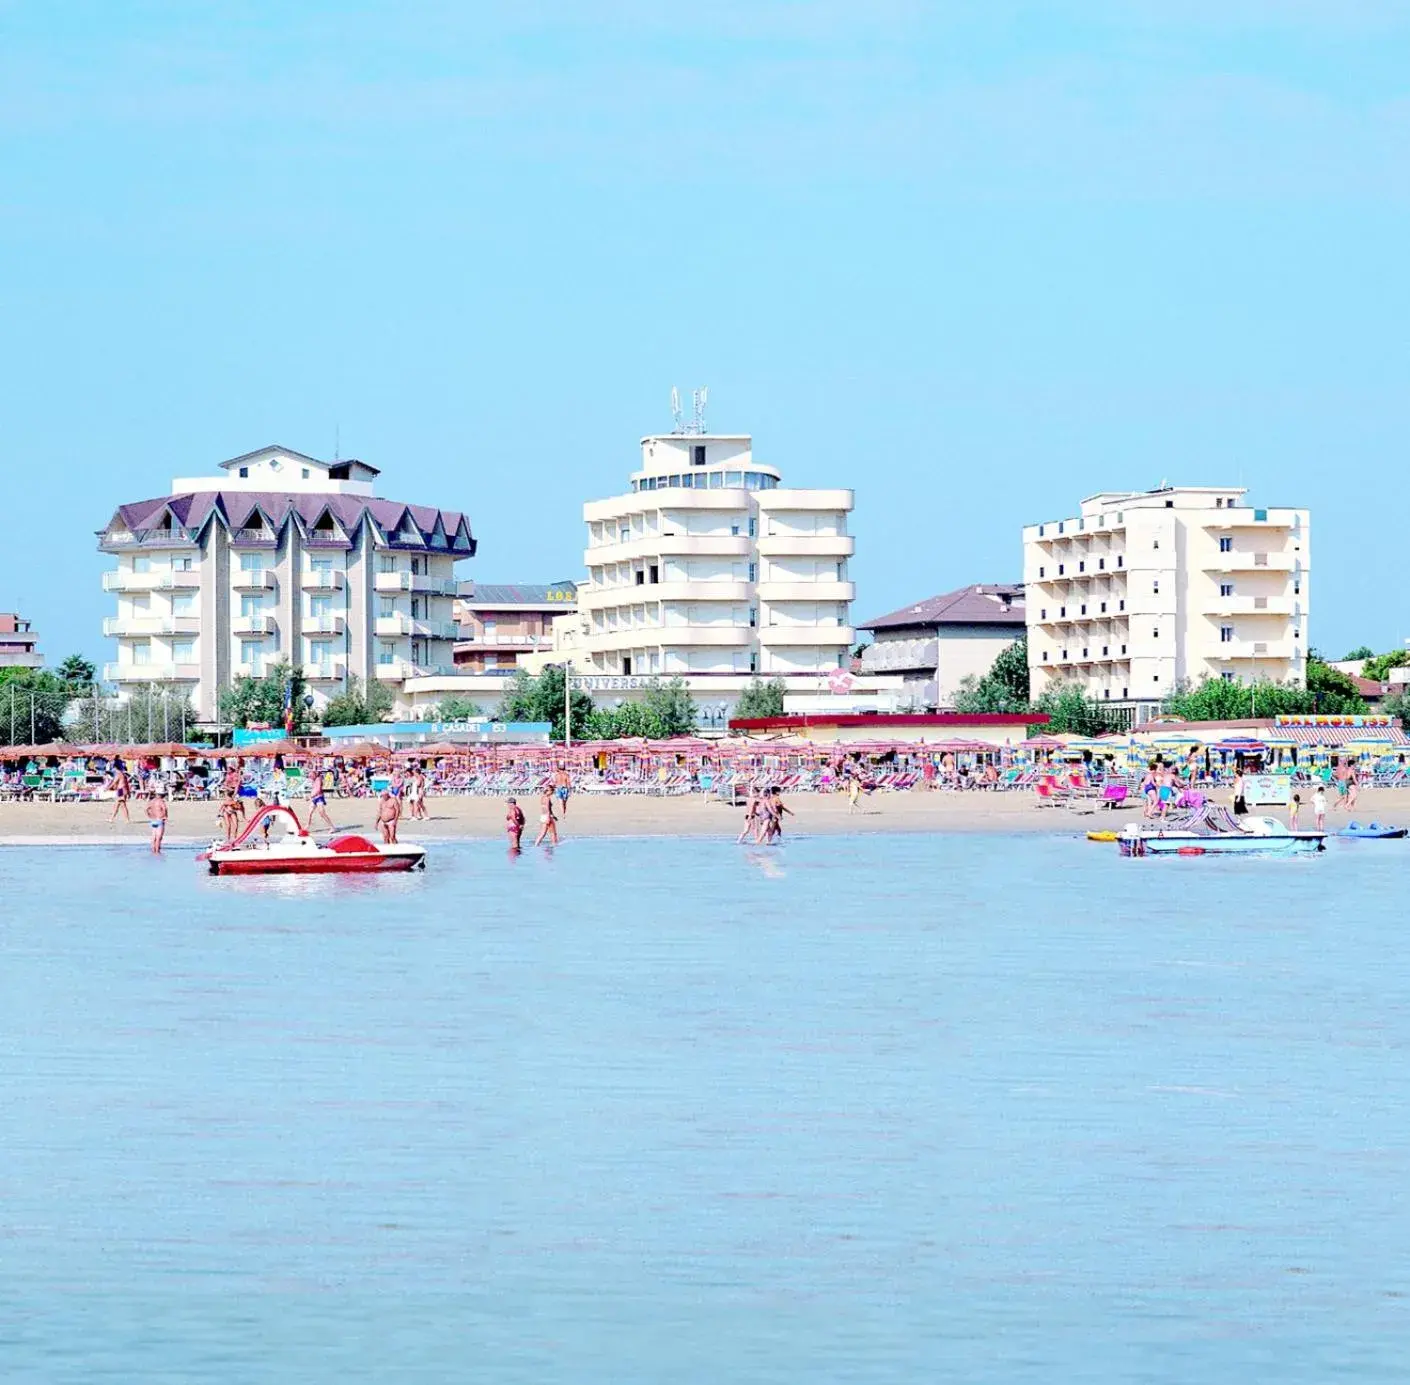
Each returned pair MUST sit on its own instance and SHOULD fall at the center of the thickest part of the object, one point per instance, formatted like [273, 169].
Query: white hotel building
[709, 568]
[281, 558]
[1144, 590]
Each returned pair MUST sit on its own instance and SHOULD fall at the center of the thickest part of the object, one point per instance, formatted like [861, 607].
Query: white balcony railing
[464, 635]
[399, 670]
[121, 627]
[124, 580]
[252, 579]
[329, 623]
[331, 671]
[416, 582]
[319, 580]
[151, 673]
[252, 624]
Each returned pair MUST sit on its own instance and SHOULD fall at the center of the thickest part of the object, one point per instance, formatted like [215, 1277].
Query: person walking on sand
[122, 790]
[548, 821]
[1240, 802]
[388, 815]
[514, 825]
[156, 819]
[854, 792]
[1319, 806]
[1294, 808]
[562, 787]
[319, 802]
[1353, 788]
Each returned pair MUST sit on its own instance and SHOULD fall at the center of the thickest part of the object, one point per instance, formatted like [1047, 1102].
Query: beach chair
[1115, 795]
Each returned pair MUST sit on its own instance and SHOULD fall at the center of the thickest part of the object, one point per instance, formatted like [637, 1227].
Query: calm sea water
[875, 1109]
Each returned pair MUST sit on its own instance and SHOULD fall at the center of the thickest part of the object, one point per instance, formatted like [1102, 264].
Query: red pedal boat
[276, 843]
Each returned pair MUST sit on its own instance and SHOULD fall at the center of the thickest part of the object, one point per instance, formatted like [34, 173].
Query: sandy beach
[632, 815]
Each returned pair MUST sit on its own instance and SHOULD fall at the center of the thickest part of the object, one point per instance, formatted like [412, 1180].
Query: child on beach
[1319, 806]
[1293, 810]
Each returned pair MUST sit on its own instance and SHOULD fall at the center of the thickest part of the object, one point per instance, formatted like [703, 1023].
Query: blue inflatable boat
[1373, 830]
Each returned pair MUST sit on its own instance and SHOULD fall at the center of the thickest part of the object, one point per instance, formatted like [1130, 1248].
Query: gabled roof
[235, 508]
[985, 603]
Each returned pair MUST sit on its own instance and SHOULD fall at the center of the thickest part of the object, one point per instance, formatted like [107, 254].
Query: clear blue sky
[974, 259]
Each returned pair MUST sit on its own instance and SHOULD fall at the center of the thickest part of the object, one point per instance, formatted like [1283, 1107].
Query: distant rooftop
[984, 603]
[487, 594]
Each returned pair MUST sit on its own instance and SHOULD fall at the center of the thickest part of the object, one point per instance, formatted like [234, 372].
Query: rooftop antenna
[679, 427]
[699, 399]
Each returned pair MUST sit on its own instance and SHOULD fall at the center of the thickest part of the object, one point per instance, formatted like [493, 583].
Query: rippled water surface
[880, 1109]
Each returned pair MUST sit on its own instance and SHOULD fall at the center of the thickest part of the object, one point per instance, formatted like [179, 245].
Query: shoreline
[640, 816]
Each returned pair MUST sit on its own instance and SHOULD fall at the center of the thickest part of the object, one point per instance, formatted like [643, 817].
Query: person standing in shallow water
[388, 814]
[548, 821]
[122, 790]
[514, 824]
[156, 819]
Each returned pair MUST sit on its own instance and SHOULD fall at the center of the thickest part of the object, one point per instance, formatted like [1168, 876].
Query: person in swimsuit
[156, 819]
[319, 802]
[388, 815]
[777, 813]
[751, 817]
[562, 786]
[122, 789]
[514, 825]
[548, 820]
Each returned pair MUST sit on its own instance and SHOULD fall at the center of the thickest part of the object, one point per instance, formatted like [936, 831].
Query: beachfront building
[281, 557]
[937, 643]
[497, 622]
[709, 567]
[18, 643]
[1141, 591]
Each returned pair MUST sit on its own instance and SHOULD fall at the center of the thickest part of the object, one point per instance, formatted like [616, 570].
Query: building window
[1226, 634]
[697, 455]
[1219, 503]
[1260, 514]
[753, 616]
[1043, 614]
[1062, 567]
[1084, 610]
[245, 472]
[1085, 653]
[1082, 566]
[640, 577]
[1155, 634]
[753, 527]
[1226, 589]
[1062, 612]
[1045, 657]
[1123, 649]
[1106, 650]
[1062, 527]
[1227, 676]
[1064, 656]
[1120, 561]
[1121, 605]
[1106, 692]
[1155, 588]
[252, 562]
[753, 572]
[1169, 505]
[1226, 544]
[1101, 564]
[1155, 543]
[753, 661]
[183, 651]
[1042, 572]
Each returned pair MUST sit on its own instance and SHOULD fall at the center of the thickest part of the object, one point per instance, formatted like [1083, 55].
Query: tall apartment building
[283, 557]
[499, 621]
[709, 566]
[18, 643]
[1144, 590]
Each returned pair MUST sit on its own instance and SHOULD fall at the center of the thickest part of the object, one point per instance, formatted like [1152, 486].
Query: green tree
[1378, 666]
[78, 672]
[358, 704]
[760, 699]
[1334, 691]
[620, 723]
[32, 706]
[541, 699]
[672, 707]
[1069, 709]
[459, 709]
[1004, 688]
[1397, 704]
[260, 701]
[1363, 651]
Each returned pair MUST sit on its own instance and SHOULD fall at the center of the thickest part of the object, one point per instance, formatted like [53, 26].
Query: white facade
[1145, 590]
[708, 566]
[284, 558]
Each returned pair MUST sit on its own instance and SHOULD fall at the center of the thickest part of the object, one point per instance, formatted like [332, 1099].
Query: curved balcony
[327, 624]
[803, 590]
[653, 547]
[709, 635]
[807, 546]
[419, 582]
[252, 624]
[830, 635]
[690, 589]
[785, 498]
